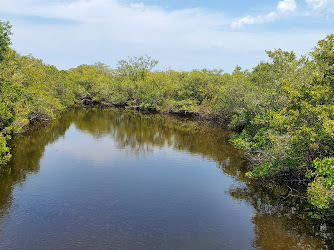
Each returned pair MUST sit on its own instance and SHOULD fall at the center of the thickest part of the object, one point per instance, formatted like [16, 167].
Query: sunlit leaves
[321, 190]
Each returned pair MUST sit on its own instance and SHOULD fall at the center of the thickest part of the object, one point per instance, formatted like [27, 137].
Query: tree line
[282, 110]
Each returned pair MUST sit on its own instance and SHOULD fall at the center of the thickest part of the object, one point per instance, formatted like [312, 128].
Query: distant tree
[323, 55]
[5, 32]
[135, 67]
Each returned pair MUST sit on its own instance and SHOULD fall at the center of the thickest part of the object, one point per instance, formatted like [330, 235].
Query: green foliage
[295, 130]
[321, 190]
[323, 56]
[136, 67]
[29, 91]
[5, 33]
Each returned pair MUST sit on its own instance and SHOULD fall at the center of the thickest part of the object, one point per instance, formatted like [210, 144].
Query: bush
[321, 190]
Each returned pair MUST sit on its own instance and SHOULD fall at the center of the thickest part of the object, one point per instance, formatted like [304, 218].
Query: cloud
[283, 7]
[317, 4]
[119, 21]
[287, 5]
[322, 6]
[248, 20]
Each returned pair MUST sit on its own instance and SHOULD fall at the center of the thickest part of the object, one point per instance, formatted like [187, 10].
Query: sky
[181, 34]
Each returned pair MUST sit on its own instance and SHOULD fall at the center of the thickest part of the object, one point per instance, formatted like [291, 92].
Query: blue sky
[182, 35]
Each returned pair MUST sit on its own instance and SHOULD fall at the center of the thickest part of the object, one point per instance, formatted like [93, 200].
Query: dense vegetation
[283, 109]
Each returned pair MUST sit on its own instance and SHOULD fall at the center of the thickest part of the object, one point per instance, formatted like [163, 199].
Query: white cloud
[317, 4]
[282, 8]
[287, 5]
[248, 20]
[322, 7]
[113, 26]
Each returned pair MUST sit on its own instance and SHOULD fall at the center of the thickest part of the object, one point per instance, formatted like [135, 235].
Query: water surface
[111, 178]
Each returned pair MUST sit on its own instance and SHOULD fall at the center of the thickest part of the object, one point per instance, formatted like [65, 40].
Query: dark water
[115, 179]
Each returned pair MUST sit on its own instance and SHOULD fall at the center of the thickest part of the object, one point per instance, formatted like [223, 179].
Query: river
[119, 179]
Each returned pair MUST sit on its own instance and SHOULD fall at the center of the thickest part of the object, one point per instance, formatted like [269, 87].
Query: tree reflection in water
[278, 223]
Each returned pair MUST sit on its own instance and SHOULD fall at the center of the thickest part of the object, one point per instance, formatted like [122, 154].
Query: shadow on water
[278, 223]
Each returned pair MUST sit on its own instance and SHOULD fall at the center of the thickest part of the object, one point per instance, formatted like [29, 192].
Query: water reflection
[276, 223]
[27, 150]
